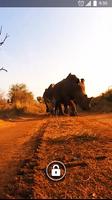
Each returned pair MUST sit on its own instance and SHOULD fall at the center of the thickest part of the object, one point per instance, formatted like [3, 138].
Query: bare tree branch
[3, 69]
[1, 30]
[1, 43]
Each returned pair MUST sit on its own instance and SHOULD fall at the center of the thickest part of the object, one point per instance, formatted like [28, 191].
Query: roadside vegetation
[103, 102]
[20, 101]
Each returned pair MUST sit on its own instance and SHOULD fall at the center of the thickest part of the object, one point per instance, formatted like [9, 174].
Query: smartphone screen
[56, 99]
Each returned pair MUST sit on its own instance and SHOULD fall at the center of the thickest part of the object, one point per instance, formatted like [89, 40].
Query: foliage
[20, 93]
[108, 95]
[21, 98]
[2, 101]
[103, 102]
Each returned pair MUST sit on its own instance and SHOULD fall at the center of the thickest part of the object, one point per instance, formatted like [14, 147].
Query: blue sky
[46, 44]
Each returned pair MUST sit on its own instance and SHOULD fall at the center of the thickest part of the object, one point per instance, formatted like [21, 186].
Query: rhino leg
[58, 108]
[73, 108]
[66, 109]
[47, 108]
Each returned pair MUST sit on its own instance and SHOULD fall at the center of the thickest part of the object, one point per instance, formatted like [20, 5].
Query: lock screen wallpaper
[55, 103]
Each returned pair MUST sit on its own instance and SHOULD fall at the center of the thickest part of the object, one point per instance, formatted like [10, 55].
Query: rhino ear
[77, 81]
[53, 85]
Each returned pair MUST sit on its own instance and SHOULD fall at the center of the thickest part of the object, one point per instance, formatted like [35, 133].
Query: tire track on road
[25, 174]
[72, 141]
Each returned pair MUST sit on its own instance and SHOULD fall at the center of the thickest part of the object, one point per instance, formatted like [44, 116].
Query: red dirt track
[83, 144]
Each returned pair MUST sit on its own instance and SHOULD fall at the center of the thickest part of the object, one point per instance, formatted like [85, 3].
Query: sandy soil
[83, 144]
[17, 141]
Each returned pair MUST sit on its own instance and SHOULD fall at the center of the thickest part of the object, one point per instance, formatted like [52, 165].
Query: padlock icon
[55, 171]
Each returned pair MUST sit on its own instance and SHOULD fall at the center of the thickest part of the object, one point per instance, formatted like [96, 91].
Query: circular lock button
[56, 170]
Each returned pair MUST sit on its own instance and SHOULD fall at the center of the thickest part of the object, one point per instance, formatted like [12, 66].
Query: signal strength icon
[88, 4]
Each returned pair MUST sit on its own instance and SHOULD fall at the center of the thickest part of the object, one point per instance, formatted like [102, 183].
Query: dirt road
[17, 141]
[83, 144]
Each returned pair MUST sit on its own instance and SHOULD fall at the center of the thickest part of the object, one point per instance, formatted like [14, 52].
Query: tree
[3, 69]
[1, 43]
[21, 99]
[6, 36]
[19, 93]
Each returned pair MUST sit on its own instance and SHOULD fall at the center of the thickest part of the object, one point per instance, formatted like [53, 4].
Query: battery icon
[94, 3]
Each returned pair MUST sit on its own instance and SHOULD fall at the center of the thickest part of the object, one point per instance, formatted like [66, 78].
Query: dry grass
[103, 103]
[8, 111]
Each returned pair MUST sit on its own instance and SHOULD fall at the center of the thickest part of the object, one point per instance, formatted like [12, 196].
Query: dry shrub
[41, 108]
[108, 95]
[103, 103]
[21, 101]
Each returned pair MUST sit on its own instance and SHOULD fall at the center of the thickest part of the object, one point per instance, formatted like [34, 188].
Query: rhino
[48, 99]
[67, 92]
